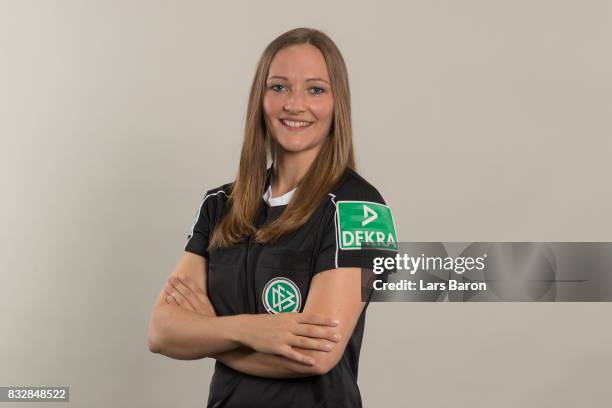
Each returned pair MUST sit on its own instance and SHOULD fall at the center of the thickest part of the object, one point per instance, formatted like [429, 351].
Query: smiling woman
[264, 286]
[298, 102]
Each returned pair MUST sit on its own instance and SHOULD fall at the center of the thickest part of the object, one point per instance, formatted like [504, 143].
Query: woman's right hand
[280, 333]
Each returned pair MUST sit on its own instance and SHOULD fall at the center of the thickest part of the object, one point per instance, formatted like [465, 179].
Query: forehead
[298, 62]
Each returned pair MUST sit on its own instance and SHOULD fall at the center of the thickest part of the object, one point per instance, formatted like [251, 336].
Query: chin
[294, 143]
[294, 147]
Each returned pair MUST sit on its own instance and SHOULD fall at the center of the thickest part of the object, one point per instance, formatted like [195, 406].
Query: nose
[295, 102]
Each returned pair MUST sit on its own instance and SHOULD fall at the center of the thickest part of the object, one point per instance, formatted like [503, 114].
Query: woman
[270, 281]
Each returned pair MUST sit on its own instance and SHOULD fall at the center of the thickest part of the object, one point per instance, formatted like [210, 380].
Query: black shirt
[253, 278]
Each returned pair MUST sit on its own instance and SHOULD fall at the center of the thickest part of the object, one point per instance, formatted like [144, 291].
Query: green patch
[364, 224]
[281, 295]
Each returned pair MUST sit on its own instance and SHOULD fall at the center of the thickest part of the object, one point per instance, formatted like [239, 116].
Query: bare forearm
[251, 362]
[186, 335]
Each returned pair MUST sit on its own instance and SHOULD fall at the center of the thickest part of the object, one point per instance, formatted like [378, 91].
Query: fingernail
[310, 361]
[328, 346]
[336, 336]
[335, 322]
[169, 298]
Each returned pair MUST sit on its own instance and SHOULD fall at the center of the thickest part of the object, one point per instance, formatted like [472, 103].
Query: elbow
[321, 368]
[324, 363]
[153, 341]
[154, 333]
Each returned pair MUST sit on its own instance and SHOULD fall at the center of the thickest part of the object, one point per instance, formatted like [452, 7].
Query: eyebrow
[287, 79]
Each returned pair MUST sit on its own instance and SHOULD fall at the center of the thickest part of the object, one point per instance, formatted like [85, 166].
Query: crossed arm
[184, 325]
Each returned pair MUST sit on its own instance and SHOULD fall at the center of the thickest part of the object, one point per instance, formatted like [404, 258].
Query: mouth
[295, 125]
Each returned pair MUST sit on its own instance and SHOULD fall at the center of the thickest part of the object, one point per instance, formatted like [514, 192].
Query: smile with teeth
[295, 124]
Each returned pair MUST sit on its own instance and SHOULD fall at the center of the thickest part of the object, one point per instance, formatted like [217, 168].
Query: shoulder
[222, 191]
[356, 225]
[216, 197]
[351, 192]
[353, 187]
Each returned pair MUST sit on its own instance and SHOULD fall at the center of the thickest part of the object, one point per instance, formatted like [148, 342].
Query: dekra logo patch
[364, 224]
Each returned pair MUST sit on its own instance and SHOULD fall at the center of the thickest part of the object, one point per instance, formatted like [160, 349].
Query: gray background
[477, 120]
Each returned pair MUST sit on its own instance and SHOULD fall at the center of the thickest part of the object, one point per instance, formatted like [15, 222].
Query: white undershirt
[276, 201]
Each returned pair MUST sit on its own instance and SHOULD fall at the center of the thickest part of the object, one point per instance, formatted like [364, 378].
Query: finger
[186, 293]
[317, 332]
[195, 294]
[294, 355]
[316, 318]
[169, 289]
[183, 304]
[174, 294]
[311, 344]
[175, 297]
[190, 284]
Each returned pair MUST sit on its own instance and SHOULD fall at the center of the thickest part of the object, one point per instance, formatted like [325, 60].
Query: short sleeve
[199, 233]
[354, 232]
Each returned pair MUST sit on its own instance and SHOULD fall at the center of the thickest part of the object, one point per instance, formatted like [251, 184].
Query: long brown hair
[335, 156]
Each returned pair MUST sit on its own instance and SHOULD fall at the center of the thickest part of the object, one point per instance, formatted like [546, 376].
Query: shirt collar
[277, 201]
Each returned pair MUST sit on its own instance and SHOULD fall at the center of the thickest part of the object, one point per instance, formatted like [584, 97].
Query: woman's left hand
[183, 292]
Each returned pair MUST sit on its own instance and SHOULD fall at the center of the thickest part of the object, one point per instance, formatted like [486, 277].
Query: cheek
[271, 105]
[324, 110]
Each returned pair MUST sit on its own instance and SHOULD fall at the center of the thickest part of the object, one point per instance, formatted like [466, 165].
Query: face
[298, 102]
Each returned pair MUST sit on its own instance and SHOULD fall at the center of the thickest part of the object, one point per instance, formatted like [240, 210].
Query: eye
[276, 87]
[317, 90]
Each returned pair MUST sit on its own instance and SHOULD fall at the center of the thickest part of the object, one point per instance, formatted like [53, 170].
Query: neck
[290, 169]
